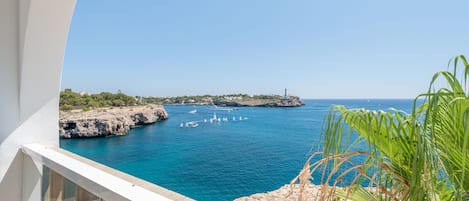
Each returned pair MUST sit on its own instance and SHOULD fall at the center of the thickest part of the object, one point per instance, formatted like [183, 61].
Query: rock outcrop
[288, 102]
[286, 193]
[103, 122]
[293, 192]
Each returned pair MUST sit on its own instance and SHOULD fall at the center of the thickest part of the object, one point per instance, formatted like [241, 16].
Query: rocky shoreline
[290, 102]
[286, 193]
[108, 121]
[293, 192]
[232, 100]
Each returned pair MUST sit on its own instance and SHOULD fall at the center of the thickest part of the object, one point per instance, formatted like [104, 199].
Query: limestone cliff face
[289, 102]
[287, 192]
[108, 121]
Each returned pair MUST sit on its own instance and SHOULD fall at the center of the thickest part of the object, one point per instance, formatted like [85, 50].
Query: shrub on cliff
[70, 100]
[66, 107]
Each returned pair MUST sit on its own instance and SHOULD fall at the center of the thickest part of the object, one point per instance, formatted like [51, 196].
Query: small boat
[181, 125]
[192, 111]
[205, 120]
[215, 118]
[192, 124]
[234, 118]
[224, 109]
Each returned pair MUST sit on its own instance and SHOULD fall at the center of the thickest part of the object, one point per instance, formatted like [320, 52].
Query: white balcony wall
[33, 35]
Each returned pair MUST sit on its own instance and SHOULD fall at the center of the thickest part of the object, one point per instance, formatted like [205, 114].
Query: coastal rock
[292, 101]
[286, 193]
[108, 121]
[291, 192]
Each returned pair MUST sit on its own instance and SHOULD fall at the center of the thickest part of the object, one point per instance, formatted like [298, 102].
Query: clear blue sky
[316, 49]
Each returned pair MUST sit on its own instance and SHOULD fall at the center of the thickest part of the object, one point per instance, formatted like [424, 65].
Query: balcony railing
[67, 176]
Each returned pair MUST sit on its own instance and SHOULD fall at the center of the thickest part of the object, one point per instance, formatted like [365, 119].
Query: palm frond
[418, 156]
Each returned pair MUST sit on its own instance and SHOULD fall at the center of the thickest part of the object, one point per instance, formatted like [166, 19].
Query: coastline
[286, 103]
[288, 192]
[294, 192]
[108, 121]
[233, 100]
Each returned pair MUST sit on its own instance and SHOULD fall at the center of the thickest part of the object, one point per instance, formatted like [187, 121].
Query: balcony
[66, 176]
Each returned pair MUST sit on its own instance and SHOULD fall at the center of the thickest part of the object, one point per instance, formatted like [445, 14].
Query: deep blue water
[221, 161]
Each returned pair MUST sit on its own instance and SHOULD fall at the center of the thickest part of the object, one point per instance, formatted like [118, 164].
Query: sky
[315, 49]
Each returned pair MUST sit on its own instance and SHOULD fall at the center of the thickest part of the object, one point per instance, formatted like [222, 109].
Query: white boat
[215, 118]
[192, 111]
[224, 109]
[192, 124]
[234, 118]
[181, 125]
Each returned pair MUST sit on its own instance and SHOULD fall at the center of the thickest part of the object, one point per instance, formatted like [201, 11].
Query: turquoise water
[220, 161]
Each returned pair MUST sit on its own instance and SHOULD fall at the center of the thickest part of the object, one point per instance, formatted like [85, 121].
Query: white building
[32, 166]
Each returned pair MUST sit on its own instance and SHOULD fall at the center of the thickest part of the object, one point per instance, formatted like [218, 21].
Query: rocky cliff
[230, 100]
[286, 193]
[294, 192]
[108, 121]
[289, 102]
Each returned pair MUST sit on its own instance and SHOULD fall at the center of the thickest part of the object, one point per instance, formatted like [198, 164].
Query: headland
[232, 100]
[108, 121]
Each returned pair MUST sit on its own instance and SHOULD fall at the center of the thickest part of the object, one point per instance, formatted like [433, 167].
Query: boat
[215, 118]
[181, 125]
[192, 111]
[243, 118]
[226, 109]
[192, 124]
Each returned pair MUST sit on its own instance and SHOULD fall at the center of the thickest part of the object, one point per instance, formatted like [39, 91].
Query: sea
[254, 150]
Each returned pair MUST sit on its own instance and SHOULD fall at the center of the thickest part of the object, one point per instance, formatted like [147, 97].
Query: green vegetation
[419, 156]
[72, 100]
[211, 100]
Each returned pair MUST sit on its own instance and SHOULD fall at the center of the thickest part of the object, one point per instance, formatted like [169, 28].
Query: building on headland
[84, 93]
[285, 96]
[32, 166]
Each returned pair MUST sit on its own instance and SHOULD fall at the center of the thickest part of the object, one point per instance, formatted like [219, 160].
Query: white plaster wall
[33, 35]
[9, 87]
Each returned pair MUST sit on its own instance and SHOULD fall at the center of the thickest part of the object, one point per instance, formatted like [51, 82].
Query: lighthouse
[285, 96]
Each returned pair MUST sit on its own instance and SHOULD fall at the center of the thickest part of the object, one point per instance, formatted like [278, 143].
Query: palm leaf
[418, 156]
